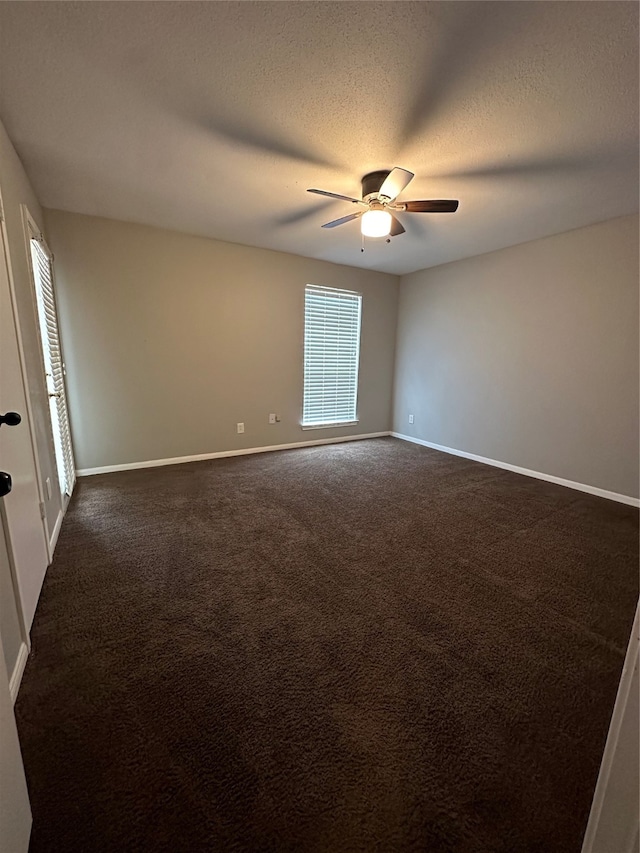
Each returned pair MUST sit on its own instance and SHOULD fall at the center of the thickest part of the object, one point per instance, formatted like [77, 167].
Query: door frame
[23, 370]
[609, 817]
[16, 676]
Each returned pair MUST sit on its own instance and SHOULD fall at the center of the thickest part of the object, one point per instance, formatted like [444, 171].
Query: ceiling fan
[379, 193]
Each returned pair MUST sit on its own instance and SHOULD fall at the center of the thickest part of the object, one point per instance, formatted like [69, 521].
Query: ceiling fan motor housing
[372, 182]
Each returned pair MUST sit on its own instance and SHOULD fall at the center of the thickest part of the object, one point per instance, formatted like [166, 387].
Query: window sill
[328, 426]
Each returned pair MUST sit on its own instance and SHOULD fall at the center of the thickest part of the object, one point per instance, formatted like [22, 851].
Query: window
[331, 356]
[41, 264]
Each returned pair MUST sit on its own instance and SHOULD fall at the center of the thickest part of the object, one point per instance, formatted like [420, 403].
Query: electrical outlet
[272, 418]
[410, 419]
[239, 428]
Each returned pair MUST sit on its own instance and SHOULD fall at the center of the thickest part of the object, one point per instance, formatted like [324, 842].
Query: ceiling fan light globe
[375, 223]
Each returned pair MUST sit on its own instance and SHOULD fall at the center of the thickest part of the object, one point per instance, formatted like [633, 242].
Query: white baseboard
[18, 669]
[56, 532]
[178, 460]
[550, 478]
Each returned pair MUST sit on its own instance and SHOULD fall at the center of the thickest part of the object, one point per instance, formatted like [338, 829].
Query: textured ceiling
[214, 118]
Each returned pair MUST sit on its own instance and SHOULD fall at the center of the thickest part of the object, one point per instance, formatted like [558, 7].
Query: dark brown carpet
[363, 647]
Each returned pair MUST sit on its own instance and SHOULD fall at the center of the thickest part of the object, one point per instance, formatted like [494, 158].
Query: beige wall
[16, 191]
[170, 340]
[529, 355]
[15, 811]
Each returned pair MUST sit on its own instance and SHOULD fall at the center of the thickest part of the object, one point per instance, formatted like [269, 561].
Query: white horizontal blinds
[54, 367]
[331, 355]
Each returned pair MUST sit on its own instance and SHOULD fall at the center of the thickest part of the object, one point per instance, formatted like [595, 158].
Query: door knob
[5, 483]
[10, 419]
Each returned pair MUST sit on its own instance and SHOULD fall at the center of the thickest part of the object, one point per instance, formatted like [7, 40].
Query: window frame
[325, 289]
[63, 455]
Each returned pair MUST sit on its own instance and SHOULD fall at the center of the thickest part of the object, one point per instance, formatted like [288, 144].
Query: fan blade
[434, 206]
[342, 220]
[396, 227]
[395, 182]
[336, 195]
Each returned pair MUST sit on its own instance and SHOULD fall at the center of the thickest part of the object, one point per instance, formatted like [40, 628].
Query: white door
[15, 812]
[26, 538]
